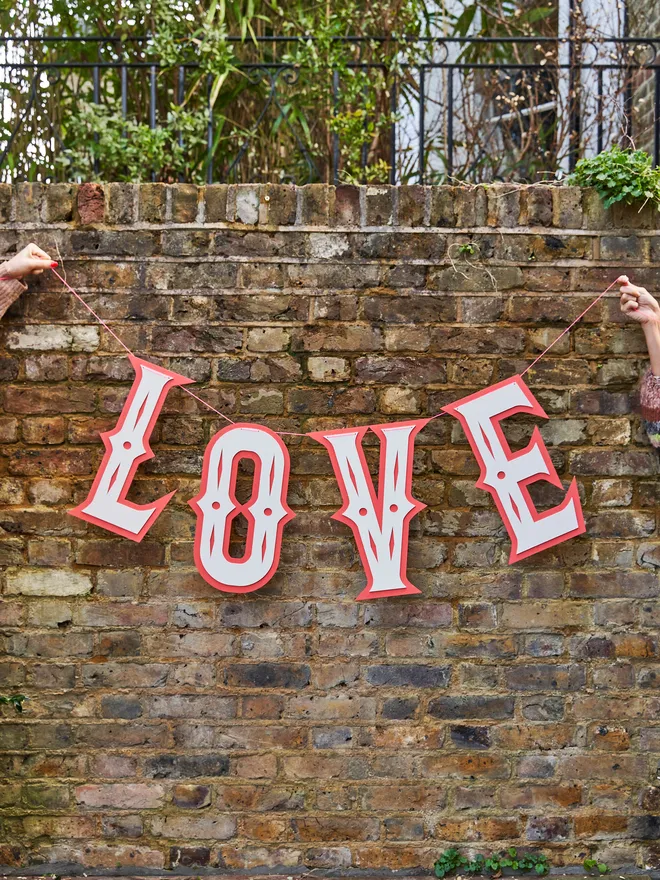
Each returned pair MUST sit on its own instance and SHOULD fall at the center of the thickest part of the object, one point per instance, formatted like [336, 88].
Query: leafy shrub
[452, 860]
[282, 110]
[97, 136]
[620, 176]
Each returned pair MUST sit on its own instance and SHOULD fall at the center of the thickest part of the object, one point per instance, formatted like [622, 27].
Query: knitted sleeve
[649, 406]
[10, 290]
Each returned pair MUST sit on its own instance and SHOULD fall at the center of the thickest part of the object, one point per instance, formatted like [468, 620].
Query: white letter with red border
[126, 447]
[507, 475]
[380, 523]
[266, 511]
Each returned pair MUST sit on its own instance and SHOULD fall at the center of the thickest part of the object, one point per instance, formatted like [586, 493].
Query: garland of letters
[379, 518]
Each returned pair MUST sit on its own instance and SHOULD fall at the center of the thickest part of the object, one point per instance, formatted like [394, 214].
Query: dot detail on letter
[216, 505]
[267, 511]
[501, 475]
[127, 444]
[394, 508]
[362, 511]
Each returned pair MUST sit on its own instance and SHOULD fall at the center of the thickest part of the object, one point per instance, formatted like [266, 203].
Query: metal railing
[420, 111]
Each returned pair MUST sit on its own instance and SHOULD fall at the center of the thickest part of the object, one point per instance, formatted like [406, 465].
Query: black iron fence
[359, 110]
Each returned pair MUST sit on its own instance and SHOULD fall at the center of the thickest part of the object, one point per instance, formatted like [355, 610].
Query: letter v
[380, 523]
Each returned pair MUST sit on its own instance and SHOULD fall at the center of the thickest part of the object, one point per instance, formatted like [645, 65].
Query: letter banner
[126, 447]
[266, 511]
[380, 522]
[380, 519]
[507, 475]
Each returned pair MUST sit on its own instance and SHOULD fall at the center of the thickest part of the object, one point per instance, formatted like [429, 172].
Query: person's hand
[30, 261]
[637, 303]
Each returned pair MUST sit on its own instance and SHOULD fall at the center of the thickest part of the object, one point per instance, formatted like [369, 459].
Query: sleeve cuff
[649, 397]
[10, 290]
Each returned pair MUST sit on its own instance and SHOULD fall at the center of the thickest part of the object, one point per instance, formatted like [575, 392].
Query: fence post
[335, 134]
[393, 105]
[96, 84]
[656, 116]
[209, 132]
[450, 121]
[422, 99]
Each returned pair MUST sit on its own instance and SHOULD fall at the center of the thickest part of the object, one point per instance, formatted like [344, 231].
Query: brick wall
[172, 725]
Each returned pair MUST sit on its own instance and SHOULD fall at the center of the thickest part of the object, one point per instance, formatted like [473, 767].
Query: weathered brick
[48, 582]
[412, 205]
[185, 202]
[183, 767]
[471, 707]
[267, 675]
[215, 202]
[379, 205]
[152, 201]
[125, 796]
[278, 205]
[317, 202]
[347, 206]
[191, 797]
[408, 676]
[90, 203]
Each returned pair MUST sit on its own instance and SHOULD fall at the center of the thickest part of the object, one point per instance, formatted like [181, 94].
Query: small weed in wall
[618, 175]
[16, 700]
[593, 866]
[452, 861]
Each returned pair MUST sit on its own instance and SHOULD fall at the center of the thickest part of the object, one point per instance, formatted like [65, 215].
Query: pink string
[127, 349]
[294, 433]
[91, 310]
[564, 332]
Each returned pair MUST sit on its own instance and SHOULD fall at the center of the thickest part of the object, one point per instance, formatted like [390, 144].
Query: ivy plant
[452, 861]
[620, 176]
[593, 866]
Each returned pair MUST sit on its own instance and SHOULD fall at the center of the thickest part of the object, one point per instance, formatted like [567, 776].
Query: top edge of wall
[277, 206]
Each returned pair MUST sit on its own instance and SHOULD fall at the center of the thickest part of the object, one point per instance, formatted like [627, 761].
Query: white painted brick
[48, 582]
[50, 337]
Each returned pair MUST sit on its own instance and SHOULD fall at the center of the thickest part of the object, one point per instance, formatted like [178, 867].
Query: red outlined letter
[126, 447]
[380, 523]
[507, 475]
[266, 511]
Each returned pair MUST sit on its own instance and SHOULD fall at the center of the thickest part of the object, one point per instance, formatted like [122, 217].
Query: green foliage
[269, 123]
[127, 150]
[453, 861]
[600, 867]
[466, 249]
[620, 176]
[289, 137]
[502, 18]
[15, 700]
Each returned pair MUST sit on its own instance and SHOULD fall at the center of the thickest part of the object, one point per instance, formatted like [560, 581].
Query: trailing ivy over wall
[618, 175]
